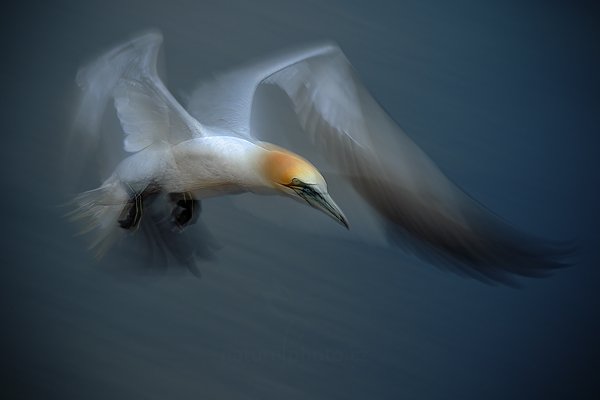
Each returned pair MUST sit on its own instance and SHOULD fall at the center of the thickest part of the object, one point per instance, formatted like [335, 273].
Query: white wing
[148, 112]
[421, 209]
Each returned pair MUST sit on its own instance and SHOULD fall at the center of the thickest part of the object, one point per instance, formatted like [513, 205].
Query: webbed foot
[131, 215]
[186, 210]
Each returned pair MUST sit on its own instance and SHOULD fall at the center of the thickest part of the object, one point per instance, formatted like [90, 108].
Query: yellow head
[281, 167]
[295, 177]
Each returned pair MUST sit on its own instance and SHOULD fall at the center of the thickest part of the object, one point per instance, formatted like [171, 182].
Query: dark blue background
[504, 96]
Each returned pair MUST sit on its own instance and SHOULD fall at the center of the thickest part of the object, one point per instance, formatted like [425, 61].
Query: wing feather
[421, 209]
[148, 112]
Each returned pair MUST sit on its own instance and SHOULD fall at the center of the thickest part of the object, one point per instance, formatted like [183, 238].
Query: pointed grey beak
[325, 203]
[319, 199]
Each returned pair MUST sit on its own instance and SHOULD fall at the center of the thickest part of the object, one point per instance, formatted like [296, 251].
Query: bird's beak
[325, 203]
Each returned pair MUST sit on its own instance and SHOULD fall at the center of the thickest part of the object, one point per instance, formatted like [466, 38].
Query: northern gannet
[217, 152]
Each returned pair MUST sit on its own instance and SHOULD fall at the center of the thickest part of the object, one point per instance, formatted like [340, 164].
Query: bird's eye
[304, 190]
[296, 182]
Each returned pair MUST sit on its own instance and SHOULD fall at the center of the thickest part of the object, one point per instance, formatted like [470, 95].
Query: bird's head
[295, 177]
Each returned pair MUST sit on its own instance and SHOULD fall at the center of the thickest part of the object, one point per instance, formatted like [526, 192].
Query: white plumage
[219, 152]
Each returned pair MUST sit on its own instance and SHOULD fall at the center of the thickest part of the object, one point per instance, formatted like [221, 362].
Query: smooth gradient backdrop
[503, 95]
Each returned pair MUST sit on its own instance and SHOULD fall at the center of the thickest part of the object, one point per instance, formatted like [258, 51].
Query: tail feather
[158, 243]
[97, 212]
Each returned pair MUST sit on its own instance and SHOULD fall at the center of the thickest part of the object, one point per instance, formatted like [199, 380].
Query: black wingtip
[496, 258]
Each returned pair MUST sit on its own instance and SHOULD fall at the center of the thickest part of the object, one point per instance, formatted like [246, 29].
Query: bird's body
[205, 166]
[218, 152]
[218, 165]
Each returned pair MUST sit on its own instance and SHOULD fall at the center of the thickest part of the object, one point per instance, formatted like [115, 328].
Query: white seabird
[219, 153]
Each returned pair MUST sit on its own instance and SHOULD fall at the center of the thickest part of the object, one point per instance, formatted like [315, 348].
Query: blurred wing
[148, 112]
[225, 102]
[421, 208]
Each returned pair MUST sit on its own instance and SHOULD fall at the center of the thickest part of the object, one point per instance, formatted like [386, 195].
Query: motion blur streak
[221, 154]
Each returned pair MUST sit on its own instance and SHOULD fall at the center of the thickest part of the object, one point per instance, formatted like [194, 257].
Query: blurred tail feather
[97, 211]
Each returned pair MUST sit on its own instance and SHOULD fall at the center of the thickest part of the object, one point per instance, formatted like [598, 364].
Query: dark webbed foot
[186, 210]
[131, 215]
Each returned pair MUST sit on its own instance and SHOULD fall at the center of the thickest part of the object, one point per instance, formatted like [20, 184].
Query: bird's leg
[186, 210]
[131, 215]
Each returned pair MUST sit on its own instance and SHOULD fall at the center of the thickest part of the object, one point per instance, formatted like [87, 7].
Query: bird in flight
[211, 149]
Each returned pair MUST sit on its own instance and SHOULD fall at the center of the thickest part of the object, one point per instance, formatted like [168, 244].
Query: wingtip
[502, 259]
[149, 35]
